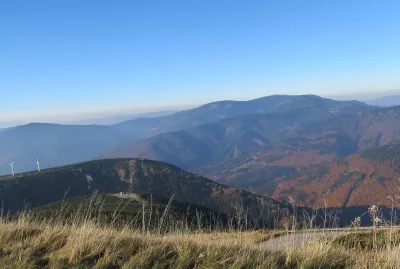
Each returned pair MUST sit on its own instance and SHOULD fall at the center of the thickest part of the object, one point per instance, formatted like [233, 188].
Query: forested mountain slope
[140, 176]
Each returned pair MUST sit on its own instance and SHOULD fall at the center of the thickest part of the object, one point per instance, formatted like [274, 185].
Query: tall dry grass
[84, 240]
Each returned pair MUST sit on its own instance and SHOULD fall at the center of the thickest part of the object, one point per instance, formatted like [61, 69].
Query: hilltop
[139, 176]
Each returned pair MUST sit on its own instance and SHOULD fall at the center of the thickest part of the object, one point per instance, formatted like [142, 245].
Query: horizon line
[65, 117]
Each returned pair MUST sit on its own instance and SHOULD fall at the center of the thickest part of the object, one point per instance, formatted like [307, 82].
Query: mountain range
[273, 154]
[305, 147]
[56, 145]
[205, 145]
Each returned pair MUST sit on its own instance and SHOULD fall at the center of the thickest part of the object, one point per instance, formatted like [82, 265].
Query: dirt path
[303, 237]
[298, 239]
[131, 196]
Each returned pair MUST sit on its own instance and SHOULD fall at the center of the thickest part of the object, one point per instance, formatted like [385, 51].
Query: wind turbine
[38, 164]
[12, 168]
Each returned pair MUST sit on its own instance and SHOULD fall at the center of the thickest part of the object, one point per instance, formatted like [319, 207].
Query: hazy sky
[75, 58]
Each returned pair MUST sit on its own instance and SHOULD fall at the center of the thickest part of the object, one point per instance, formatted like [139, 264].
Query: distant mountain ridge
[385, 101]
[204, 145]
[216, 111]
[57, 145]
[120, 118]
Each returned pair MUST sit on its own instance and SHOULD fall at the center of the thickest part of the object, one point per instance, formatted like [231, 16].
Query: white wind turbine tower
[12, 168]
[38, 164]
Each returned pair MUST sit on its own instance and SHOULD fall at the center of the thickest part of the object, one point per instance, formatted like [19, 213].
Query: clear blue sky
[73, 56]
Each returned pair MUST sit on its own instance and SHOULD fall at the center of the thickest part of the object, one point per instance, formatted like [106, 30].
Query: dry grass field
[29, 241]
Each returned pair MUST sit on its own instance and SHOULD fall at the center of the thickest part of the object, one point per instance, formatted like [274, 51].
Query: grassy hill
[143, 177]
[137, 211]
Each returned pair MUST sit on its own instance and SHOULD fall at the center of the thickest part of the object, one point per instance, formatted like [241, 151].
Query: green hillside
[143, 177]
[133, 210]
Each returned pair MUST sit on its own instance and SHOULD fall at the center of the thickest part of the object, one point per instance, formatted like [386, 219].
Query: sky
[73, 59]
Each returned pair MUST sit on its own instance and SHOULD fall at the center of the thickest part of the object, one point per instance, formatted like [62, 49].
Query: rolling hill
[142, 177]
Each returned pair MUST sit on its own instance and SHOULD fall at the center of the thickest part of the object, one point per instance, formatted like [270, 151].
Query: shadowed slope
[140, 176]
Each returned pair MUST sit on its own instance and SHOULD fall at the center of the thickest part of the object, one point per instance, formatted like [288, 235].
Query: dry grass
[26, 243]
[29, 241]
